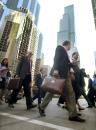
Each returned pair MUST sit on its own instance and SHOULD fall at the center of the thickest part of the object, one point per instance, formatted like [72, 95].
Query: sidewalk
[57, 118]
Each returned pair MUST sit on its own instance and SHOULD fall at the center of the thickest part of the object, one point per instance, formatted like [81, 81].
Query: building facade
[33, 46]
[34, 8]
[37, 14]
[39, 50]
[39, 55]
[94, 10]
[20, 35]
[25, 3]
[67, 26]
[7, 41]
[24, 43]
[12, 4]
[1, 9]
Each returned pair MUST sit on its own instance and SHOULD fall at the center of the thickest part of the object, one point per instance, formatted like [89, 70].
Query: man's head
[88, 76]
[82, 70]
[67, 45]
[41, 70]
[29, 54]
[75, 55]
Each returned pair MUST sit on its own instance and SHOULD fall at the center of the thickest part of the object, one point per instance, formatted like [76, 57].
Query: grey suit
[24, 67]
[24, 72]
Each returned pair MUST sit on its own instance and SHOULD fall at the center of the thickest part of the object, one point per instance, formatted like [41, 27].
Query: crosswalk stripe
[37, 122]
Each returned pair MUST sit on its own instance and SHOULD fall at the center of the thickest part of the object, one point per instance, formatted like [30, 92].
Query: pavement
[19, 118]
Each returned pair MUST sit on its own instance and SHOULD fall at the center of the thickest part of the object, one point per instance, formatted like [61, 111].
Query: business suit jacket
[61, 62]
[24, 67]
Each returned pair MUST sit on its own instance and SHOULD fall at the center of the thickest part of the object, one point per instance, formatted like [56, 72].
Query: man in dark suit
[23, 71]
[38, 82]
[61, 67]
[91, 91]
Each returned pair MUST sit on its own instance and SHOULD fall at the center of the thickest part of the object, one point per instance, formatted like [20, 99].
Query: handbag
[53, 85]
[14, 83]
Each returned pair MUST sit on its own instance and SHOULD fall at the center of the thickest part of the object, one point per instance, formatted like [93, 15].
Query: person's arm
[37, 80]
[61, 61]
[57, 58]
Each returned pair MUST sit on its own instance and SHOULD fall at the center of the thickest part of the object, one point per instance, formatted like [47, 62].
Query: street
[19, 118]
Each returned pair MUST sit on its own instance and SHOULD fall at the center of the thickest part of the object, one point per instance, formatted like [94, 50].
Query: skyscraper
[39, 54]
[25, 3]
[1, 10]
[34, 8]
[37, 14]
[94, 10]
[19, 36]
[12, 4]
[67, 26]
[34, 46]
[7, 41]
[39, 50]
[33, 5]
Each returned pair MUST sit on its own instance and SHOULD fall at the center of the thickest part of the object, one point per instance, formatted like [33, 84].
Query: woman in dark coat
[3, 77]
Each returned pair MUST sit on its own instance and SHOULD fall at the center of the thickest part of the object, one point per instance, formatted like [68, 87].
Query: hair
[74, 53]
[41, 69]
[29, 53]
[66, 43]
[82, 69]
[3, 64]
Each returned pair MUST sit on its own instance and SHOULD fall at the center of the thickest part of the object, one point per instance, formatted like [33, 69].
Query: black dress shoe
[77, 119]
[65, 107]
[80, 109]
[79, 114]
[58, 104]
[42, 112]
[32, 106]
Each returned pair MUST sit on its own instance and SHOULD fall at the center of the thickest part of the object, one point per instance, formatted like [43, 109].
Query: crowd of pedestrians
[63, 68]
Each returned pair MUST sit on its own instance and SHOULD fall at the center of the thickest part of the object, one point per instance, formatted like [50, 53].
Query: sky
[50, 15]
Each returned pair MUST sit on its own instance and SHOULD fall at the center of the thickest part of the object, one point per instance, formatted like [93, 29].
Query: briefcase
[14, 83]
[53, 85]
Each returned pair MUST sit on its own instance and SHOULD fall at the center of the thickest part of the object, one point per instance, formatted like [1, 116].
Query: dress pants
[27, 89]
[82, 92]
[37, 95]
[91, 95]
[70, 98]
[27, 92]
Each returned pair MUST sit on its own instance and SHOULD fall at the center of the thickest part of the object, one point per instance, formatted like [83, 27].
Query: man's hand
[16, 76]
[56, 74]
